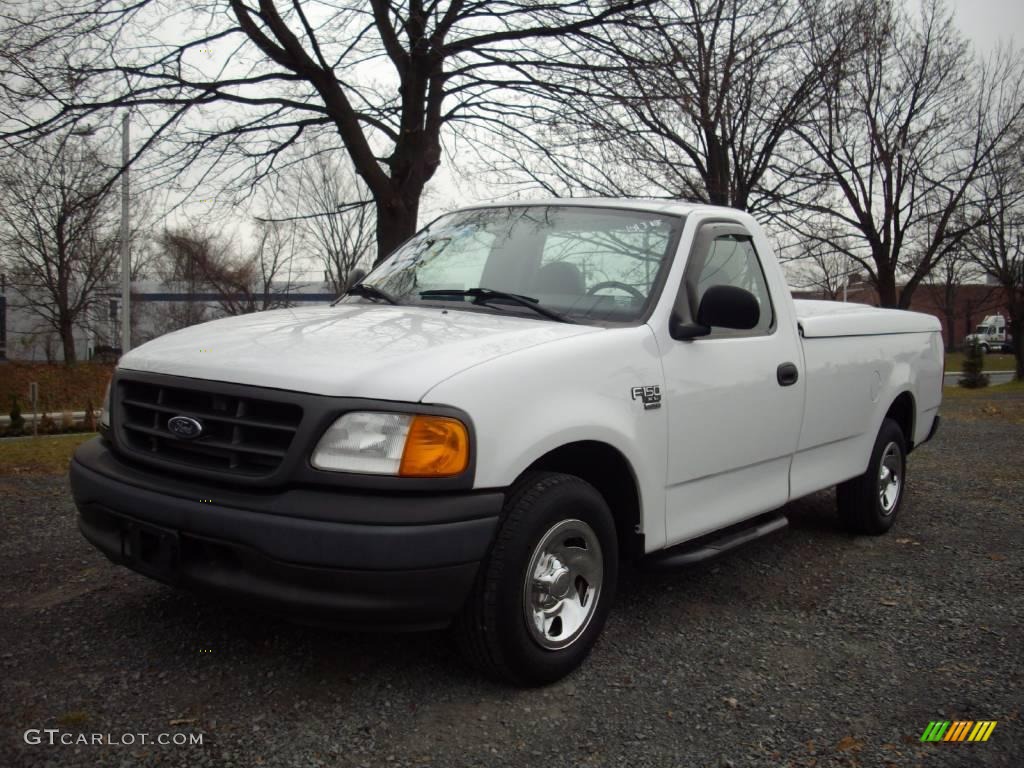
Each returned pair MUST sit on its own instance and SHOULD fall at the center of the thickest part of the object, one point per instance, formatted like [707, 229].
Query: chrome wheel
[890, 478]
[563, 584]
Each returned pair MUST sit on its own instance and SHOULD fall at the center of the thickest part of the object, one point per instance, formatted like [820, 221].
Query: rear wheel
[869, 503]
[542, 596]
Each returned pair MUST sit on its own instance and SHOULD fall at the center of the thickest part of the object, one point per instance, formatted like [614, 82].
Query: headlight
[105, 409]
[399, 444]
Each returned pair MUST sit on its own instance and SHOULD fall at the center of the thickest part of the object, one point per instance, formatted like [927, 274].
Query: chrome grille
[241, 435]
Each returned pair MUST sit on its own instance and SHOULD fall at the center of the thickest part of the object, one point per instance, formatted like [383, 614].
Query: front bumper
[323, 556]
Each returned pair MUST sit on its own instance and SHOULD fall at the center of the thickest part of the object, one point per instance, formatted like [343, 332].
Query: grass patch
[1003, 402]
[993, 362]
[962, 393]
[39, 455]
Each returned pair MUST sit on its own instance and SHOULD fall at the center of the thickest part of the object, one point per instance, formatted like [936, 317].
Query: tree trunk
[906, 295]
[396, 223]
[67, 340]
[969, 321]
[717, 180]
[1017, 330]
[887, 296]
[950, 330]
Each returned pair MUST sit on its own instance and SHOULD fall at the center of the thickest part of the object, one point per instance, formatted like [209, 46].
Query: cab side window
[732, 260]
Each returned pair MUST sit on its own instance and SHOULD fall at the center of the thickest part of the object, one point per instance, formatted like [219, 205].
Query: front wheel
[869, 503]
[543, 594]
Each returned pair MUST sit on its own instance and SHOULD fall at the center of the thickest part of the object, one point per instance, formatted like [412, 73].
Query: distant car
[991, 335]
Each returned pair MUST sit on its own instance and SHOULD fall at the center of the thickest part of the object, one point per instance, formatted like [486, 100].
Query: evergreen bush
[974, 364]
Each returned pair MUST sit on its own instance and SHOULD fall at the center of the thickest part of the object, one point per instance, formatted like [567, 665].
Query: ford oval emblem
[185, 427]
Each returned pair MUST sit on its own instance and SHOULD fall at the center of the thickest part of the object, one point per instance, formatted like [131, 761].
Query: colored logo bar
[958, 730]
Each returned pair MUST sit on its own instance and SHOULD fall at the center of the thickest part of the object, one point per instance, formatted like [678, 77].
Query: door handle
[787, 374]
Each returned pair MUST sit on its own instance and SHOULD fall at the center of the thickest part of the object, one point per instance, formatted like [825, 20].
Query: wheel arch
[610, 472]
[903, 412]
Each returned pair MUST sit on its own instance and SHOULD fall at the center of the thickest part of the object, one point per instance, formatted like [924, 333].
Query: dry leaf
[890, 603]
[849, 744]
[183, 721]
[997, 557]
[731, 702]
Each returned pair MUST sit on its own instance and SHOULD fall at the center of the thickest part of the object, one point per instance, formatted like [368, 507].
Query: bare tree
[330, 223]
[58, 233]
[694, 102]
[818, 268]
[288, 70]
[271, 261]
[901, 138]
[209, 270]
[998, 246]
[946, 287]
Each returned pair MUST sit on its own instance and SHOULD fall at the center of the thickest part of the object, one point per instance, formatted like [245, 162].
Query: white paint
[355, 350]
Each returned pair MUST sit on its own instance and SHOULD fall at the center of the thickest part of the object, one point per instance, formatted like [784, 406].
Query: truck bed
[856, 360]
[830, 319]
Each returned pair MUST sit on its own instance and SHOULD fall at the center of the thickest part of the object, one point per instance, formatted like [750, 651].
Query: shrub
[62, 386]
[17, 420]
[90, 421]
[974, 364]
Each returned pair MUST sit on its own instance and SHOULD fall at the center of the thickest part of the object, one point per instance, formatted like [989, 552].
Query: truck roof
[654, 205]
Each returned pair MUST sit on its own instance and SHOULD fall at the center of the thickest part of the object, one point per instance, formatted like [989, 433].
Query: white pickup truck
[521, 397]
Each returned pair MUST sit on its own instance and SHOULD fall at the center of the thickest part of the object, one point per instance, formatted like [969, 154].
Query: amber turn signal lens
[436, 447]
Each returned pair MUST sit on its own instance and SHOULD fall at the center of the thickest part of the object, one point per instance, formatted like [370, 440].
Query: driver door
[733, 424]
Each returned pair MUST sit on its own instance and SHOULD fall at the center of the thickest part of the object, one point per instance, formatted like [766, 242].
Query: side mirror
[723, 306]
[726, 306]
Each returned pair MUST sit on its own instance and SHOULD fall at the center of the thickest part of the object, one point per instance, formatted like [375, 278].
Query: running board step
[705, 548]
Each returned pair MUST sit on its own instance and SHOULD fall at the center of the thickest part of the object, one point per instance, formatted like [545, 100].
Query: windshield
[584, 263]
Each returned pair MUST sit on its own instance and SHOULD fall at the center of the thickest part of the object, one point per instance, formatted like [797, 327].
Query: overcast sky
[986, 22]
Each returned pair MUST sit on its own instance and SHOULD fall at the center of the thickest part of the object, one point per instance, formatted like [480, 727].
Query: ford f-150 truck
[517, 400]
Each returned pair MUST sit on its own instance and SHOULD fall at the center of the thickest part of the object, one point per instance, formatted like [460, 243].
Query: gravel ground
[811, 648]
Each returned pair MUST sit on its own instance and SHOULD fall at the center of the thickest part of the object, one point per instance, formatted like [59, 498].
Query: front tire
[869, 503]
[542, 596]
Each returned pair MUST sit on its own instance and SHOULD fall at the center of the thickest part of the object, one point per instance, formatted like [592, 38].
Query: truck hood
[353, 350]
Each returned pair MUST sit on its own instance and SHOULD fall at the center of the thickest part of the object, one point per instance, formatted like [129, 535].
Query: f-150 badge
[649, 395]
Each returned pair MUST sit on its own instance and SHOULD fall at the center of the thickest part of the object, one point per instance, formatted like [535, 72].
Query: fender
[571, 394]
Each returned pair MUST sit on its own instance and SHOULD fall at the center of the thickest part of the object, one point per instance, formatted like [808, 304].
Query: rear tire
[542, 596]
[869, 503]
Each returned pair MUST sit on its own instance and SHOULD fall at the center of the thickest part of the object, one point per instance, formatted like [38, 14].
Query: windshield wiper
[484, 295]
[367, 291]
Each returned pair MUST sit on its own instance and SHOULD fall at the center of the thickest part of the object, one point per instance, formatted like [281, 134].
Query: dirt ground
[812, 648]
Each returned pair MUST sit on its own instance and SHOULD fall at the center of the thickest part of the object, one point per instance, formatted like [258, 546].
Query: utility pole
[126, 264]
